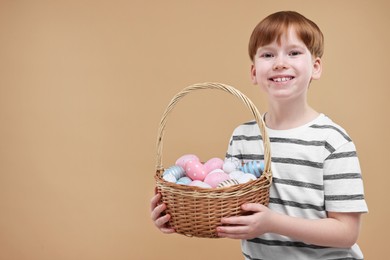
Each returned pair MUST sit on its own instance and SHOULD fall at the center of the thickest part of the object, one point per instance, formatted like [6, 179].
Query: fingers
[236, 227]
[167, 230]
[157, 211]
[155, 200]
[235, 232]
[160, 221]
[234, 220]
[243, 227]
[254, 207]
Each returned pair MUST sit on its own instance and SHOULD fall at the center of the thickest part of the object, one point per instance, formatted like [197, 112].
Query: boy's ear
[317, 68]
[253, 74]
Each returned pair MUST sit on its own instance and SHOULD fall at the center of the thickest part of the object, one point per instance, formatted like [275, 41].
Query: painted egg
[228, 183]
[169, 177]
[195, 170]
[246, 178]
[254, 167]
[185, 158]
[231, 164]
[216, 177]
[212, 164]
[176, 171]
[200, 184]
[236, 174]
[184, 180]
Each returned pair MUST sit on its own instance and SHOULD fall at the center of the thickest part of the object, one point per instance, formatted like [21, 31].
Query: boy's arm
[337, 230]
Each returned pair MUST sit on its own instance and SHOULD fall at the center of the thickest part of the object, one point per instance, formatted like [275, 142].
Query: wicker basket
[197, 211]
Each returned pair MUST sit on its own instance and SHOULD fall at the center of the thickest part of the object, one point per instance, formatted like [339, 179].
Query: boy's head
[277, 24]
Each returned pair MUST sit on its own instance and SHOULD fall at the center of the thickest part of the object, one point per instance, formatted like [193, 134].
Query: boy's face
[284, 70]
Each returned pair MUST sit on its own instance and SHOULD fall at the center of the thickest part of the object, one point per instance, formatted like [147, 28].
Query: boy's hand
[248, 226]
[160, 220]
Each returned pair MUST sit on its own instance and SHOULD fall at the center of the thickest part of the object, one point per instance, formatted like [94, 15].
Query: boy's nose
[280, 63]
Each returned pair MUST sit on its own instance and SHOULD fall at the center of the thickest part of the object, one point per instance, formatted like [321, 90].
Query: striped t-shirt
[315, 169]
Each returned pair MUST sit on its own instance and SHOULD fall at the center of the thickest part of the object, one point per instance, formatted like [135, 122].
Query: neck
[287, 116]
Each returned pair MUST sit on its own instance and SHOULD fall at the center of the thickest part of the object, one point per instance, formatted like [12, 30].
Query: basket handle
[229, 89]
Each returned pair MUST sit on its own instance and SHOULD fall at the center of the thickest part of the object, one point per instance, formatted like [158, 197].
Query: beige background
[83, 85]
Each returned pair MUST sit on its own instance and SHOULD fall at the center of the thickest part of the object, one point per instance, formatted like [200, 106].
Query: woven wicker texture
[197, 211]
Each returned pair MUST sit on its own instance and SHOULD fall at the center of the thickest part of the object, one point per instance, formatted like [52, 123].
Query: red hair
[275, 25]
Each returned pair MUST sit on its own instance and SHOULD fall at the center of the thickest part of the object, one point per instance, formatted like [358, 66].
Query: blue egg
[169, 177]
[176, 171]
[184, 180]
[253, 167]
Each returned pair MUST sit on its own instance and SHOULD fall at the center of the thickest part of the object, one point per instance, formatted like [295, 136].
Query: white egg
[229, 166]
[236, 174]
[200, 184]
[234, 160]
[246, 178]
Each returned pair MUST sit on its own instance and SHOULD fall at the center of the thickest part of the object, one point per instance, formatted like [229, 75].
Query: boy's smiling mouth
[281, 78]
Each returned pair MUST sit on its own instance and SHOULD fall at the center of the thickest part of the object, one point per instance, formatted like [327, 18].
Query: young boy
[317, 196]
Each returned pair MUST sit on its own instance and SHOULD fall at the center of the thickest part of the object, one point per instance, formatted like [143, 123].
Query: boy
[317, 196]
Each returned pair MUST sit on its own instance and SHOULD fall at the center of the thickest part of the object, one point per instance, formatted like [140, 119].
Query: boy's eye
[295, 53]
[266, 55]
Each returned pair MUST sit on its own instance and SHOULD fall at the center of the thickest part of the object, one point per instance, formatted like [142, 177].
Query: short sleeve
[343, 183]
[233, 147]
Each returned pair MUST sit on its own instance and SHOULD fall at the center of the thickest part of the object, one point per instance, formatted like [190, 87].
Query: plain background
[83, 85]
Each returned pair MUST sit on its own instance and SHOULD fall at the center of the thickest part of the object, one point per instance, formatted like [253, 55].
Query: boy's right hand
[160, 220]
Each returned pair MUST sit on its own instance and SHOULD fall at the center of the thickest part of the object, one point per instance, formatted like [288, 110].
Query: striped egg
[228, 183]
[176, 171]
[184, 180]
[169, 178]
[253, 167]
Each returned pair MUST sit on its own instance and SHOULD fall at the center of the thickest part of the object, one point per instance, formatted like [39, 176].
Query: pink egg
[213, 163]
[195, 170]
[216, 177]
[185, 158]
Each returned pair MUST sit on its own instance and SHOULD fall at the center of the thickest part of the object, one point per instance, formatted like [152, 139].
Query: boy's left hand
[248, 226]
